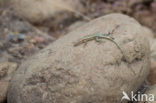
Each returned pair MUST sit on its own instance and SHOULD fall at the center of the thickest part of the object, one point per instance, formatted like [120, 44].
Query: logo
[125, 96]
[137, 97]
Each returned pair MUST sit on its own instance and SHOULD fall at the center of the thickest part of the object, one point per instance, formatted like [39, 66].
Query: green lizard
[97, 37]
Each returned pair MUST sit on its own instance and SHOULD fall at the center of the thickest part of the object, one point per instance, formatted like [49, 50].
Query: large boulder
[95, 73]
[39, 10]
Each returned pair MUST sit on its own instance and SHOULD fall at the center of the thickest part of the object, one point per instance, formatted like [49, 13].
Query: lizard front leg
[97, 39]
[85, 43]
[108, 35]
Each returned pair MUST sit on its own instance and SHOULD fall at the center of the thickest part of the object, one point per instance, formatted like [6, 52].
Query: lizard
[97, 37]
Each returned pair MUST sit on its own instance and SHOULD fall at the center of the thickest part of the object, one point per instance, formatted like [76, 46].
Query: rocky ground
[143, 10]
[25, 29]
[18, 40]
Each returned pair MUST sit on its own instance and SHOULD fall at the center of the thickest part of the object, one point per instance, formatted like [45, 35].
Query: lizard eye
[112, 37]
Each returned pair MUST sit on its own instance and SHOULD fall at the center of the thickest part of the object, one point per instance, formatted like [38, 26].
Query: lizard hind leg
[85, 43]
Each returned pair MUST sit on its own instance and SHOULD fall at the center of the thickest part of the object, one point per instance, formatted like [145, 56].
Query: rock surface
[75, 25]
[1, 3]
[6, 70]
[151, 90]
[151, 37]
[96, 73]
[40, 10]
[152, 75]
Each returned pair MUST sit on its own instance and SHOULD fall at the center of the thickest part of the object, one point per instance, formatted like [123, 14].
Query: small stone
[11, 50]
[12, 38]
[1, 45]
[3, 93]
[21, 37]
[152, 75]
[39, 39]
[33, 41]
[6, 70]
